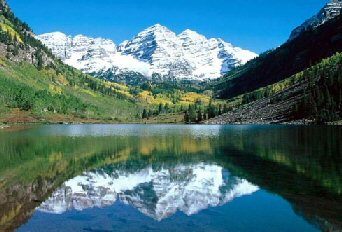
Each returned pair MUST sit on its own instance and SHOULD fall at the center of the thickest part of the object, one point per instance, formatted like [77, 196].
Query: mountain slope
[294, 56]
[154, 51]
[329, 11]
[312, 96]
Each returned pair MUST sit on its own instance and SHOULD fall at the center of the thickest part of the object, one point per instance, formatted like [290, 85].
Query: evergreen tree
[186, 117]
[150, 113]
[167, 108]
[160, 108]
[144, 114]
[192, 113]
[199, 116]
[211, 110]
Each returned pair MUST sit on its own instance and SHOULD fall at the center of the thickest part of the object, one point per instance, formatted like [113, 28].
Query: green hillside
[63, 94]
[314, 95]
[290, 58]
[55, 95]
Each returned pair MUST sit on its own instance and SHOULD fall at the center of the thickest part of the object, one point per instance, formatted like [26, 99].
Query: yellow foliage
[87, 91]
[2, 62]
[117, 86]
[55, 157]
[192, 97]
[8, 29]
[55, 89]
[60, 79]
[127, 94]
[146, 96]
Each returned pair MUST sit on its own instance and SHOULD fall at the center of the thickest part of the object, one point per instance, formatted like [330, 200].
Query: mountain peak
[53, 34]
[157, 25]
[157, 28]
[191, 34]
[156, 49]
[328, 12]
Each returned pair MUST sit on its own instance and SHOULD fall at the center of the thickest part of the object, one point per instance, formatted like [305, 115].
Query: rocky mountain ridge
[328, 12]
[154, 51]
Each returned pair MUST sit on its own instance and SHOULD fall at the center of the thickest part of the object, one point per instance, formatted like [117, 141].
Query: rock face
[329, 11]
[18, 43]
[156, 50]
[156, 193]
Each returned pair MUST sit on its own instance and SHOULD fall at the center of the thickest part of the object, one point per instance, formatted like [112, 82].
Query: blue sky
[257, 25]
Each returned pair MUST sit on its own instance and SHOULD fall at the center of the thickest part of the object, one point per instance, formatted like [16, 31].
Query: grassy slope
[64, 94]
[26, 77]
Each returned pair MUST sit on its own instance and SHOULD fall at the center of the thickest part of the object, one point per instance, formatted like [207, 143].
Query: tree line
[196, 114]
[193, 113]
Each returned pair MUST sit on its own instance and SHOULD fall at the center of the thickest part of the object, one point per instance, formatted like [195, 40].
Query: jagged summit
[191, 34]
[157, 27]
[328, 12]
[155, 50]
[155, 31]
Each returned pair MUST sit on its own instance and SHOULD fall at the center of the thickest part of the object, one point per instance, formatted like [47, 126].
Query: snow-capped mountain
[156, 193]
[91, 55]
[156, 50]
[328, 12]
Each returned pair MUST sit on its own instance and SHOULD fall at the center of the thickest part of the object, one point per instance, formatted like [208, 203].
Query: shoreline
[5, 125]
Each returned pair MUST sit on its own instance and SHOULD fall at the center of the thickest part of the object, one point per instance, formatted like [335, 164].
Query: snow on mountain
[91, 55]
[157, 49]
[329, 11]
[158, 194]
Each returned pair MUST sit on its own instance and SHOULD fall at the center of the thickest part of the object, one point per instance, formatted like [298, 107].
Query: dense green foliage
[197, 113]
[323, 97]
[292, 57]
[16, 95]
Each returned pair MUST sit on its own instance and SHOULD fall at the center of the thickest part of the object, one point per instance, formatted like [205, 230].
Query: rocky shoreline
[261, 112]
[276, 109]
[260, 122]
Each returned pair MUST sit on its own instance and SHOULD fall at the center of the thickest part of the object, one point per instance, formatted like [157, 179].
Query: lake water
[170, 178]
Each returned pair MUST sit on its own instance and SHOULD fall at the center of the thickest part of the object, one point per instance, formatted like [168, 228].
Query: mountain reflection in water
[155, 193]
[162, 170]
